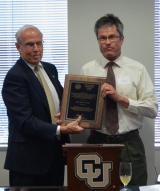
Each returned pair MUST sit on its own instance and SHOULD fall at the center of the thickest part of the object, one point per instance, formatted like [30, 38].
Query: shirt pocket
[126, 87]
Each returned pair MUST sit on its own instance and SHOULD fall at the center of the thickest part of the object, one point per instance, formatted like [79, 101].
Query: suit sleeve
[28, 118]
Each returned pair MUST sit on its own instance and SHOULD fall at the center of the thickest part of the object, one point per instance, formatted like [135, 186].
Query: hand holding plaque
[82, 96]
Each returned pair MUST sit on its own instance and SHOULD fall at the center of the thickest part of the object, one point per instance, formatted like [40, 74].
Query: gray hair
[22, 29]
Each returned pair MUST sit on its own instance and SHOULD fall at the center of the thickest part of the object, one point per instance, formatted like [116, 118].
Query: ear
[122, 38]
[18, 46]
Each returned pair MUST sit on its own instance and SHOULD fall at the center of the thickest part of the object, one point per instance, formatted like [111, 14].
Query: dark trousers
[133, 152]
[55, 177]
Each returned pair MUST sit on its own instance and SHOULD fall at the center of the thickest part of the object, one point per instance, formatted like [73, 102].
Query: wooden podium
[93, 167]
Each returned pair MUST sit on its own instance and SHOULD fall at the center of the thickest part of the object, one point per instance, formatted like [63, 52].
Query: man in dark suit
[34, 156]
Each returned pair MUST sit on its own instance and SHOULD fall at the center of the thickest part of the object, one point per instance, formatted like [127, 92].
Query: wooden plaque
[82, 96]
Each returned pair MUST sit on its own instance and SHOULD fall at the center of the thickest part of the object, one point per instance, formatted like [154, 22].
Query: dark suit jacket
[33, 146]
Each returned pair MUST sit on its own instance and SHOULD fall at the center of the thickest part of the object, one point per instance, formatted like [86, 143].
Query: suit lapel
[35, 83]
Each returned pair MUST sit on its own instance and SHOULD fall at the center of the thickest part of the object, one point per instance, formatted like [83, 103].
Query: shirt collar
[32, 66]
[117, 61]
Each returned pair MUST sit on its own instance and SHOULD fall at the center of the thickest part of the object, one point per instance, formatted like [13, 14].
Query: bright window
[157, 69]
[50, 16]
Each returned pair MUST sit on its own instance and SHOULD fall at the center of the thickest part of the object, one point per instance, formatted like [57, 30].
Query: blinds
[157, 69]
[50, 16]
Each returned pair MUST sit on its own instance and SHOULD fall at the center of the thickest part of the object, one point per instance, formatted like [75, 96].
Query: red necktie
[111, 106]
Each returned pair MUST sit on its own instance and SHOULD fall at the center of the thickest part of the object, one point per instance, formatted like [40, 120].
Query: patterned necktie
[111, 106]
[47, 92]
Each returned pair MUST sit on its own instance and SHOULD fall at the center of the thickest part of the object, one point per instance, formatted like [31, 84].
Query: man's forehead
[30, 33]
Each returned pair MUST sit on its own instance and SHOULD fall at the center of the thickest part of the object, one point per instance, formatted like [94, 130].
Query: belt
[119, 138]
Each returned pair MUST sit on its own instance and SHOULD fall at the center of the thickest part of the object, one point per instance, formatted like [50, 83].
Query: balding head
[24, 28]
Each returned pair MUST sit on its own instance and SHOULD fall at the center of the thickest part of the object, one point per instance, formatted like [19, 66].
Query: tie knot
[110, 64]
[37, 67]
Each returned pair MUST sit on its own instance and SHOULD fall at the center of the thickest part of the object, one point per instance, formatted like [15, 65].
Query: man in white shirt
[133, 94]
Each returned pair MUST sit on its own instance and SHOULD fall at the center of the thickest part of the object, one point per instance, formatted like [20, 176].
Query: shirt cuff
[58, 131]
[132, 106]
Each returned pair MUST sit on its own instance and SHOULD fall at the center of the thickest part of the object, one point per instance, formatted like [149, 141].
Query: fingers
[57, 115]
[57, 119]
[103, 86]
[107, 89]
[77, 130]
[58, 122]
[79, 119]
[72, 127]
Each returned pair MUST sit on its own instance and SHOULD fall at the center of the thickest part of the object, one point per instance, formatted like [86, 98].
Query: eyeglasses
[31, 45]
[111, 38]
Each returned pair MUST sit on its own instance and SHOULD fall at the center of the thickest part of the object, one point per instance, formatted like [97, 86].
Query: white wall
[137, 16]
[157, 161]
[3, 173]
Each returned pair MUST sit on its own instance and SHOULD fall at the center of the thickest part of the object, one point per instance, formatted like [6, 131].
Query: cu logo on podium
[93, 170]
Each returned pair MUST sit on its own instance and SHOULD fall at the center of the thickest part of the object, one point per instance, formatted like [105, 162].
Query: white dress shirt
[133, 82]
